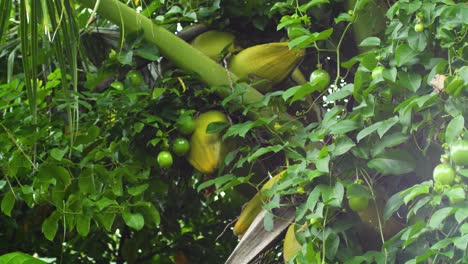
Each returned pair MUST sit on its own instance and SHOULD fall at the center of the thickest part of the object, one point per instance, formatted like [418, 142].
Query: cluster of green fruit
[180, 146]
[444, 173]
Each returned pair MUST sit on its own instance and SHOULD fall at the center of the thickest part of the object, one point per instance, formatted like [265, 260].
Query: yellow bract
[206, 150]
[271, 61]
[213, 43]
[290, 245]
[254, 206]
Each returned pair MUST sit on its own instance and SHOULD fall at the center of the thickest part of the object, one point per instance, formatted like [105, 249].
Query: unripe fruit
[358, 204]
[180, 146]
[164, 159]
[419, 27]
[459, 152]
[443, 174]
[377, 72]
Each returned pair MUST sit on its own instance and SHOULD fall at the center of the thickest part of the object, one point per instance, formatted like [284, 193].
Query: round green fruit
[358, 204]
[164, 159]
[117, 85]
[419, 27]
[185, 125]
[320, 78]
[443, 174]
[377, 72]
[180, 146]
[459, 152]
[135, 77]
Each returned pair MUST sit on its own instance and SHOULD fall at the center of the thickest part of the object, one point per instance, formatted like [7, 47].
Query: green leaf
[58, 154]
[461, 242]
[344, 92]
[19, 258]
[343, 127]
[105, 202]
[107, 220]
[439, 216]
[416, 190]
[137, 190]
[392, 205]
[404, 54]
[47, 172]
[305, 7]
[149, 212]
[454, 129]
[147, 51]
[83, 223]
[370, 42]
[393, 161]
[262, 151]
[409, 80]
[8, 202]
[157, 92]
[417, 41]
[242, 129]
[342, 145]
[389, 140]
[133, 220]
[86, 181]
[461, 214]
[322, 164]
[381, 127]
[50, 226]
[268, 222]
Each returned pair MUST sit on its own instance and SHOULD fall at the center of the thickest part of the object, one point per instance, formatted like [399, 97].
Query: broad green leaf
[8, 202]
[370, 42]
[305, 7]
[147, 51]
[149, 212]
[83, 223]
[19, 258]
[322, 164]
[268, 222]
[47, 172]
[137, 190]
[157, 92]
[386, 125]
[107, 220]
[58, 154]
[461, 214]
[393, 161]
[454, 129]
[262, 151]
[133, 220]
[50, 225]
[461, 242]
[342, 145]
[392, 205]
[404, 54]
[381, 127]
[411, 81]
[439, 216]
[343, 127]
[417, 41]
[344, 92]
[105, 202]
[389, 140]
[86, 181]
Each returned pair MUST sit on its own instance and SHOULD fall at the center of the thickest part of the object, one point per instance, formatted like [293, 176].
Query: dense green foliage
[85, 109]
